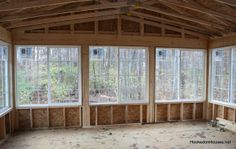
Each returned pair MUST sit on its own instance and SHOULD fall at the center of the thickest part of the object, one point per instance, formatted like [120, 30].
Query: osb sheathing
[23, 118]
[229, 114]
[104, 115]
[199, 111]
[40, 118]
[88, 26]
[209, 113]
[56, 117]
[175, 112]
[187, 111]
[73, 116]
[144, 113]
[108, 25]
[152, 29]
[7, 123]
[134, 114]
[92, 115]
[118, 113]
[161, 112]
[130, 26]
[219, 111]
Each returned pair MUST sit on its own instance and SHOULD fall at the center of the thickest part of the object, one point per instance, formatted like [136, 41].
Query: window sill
[48, 106]
[116, 103]
[5, 111]
[178, 101]
[230, 105]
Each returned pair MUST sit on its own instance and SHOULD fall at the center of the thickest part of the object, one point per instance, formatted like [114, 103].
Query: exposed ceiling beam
[197, 8]
[228, 2]
[166, 26]
[63, 18]
[97, 18]
[34, 4]
[192, 19]
[172, 22]
[57, 12]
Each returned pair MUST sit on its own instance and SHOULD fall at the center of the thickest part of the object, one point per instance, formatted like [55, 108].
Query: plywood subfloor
[163, 135]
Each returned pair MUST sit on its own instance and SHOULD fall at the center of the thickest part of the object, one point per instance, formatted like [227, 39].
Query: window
[179, 74]
[117, 75]
[4, 86]
[224, 75]
[48, 75]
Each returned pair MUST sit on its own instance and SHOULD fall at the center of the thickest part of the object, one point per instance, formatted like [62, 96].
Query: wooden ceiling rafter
[35, 4]
[228, 2]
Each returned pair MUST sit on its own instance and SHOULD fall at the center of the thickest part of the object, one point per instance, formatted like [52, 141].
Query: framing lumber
[5, 35]
[34, 4]
[65, 11]
[102, 39]
[197, 8]
[228, 2]
[64, 18]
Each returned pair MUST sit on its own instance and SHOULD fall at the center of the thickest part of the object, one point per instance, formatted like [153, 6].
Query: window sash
[176, 73]
[122, 59]
[49, 77]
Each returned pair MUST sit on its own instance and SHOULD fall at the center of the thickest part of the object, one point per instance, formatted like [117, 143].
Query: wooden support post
[85, 85]
[48, 116]
[96, 116]
[31, 118]
[2, 128]
[168, 112]
[111, 113]
[194, 111]
[207, 81]
[155, 113]
[234, 118]
[151, 106]
[126, 114]
[64, 117]
[141, 114]
[95, 27]
[181, 112]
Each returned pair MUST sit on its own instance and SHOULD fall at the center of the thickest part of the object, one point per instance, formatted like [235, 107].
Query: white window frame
[49, 104]
[146, 100]
[179, 100]
[212, 77]
[8, 100]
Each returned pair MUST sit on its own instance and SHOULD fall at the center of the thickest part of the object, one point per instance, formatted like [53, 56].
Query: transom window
[4, 86]
[117, 75]
[48, 75]
[224, 75]
[179, 74]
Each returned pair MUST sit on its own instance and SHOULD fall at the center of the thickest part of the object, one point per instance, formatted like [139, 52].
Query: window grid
[176, 69]
[49, 76]
[119, 75]
[230, 99]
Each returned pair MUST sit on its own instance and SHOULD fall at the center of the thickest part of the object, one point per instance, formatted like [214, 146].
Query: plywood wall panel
[73, 116]
[144, 114]
[187, 111]
[92, 116]
[134, 114]
[230, 114]
[40, 118]
[118, 113]
[104, 115]
[56, 117]
[199, 111]
[219, 111]
[162, 110]
[175, 112]
[23, 118]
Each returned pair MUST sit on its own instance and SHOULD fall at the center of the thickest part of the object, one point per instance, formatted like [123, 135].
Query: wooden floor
[163, 135]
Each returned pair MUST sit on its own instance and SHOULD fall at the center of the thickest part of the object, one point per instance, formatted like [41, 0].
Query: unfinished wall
[54, 117]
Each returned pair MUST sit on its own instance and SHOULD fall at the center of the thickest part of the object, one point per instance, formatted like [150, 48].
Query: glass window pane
[132, 75]
[233, 100]
[191, 75]
[64, 75]
[103, 74]
[221, 74]
[167, 74]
